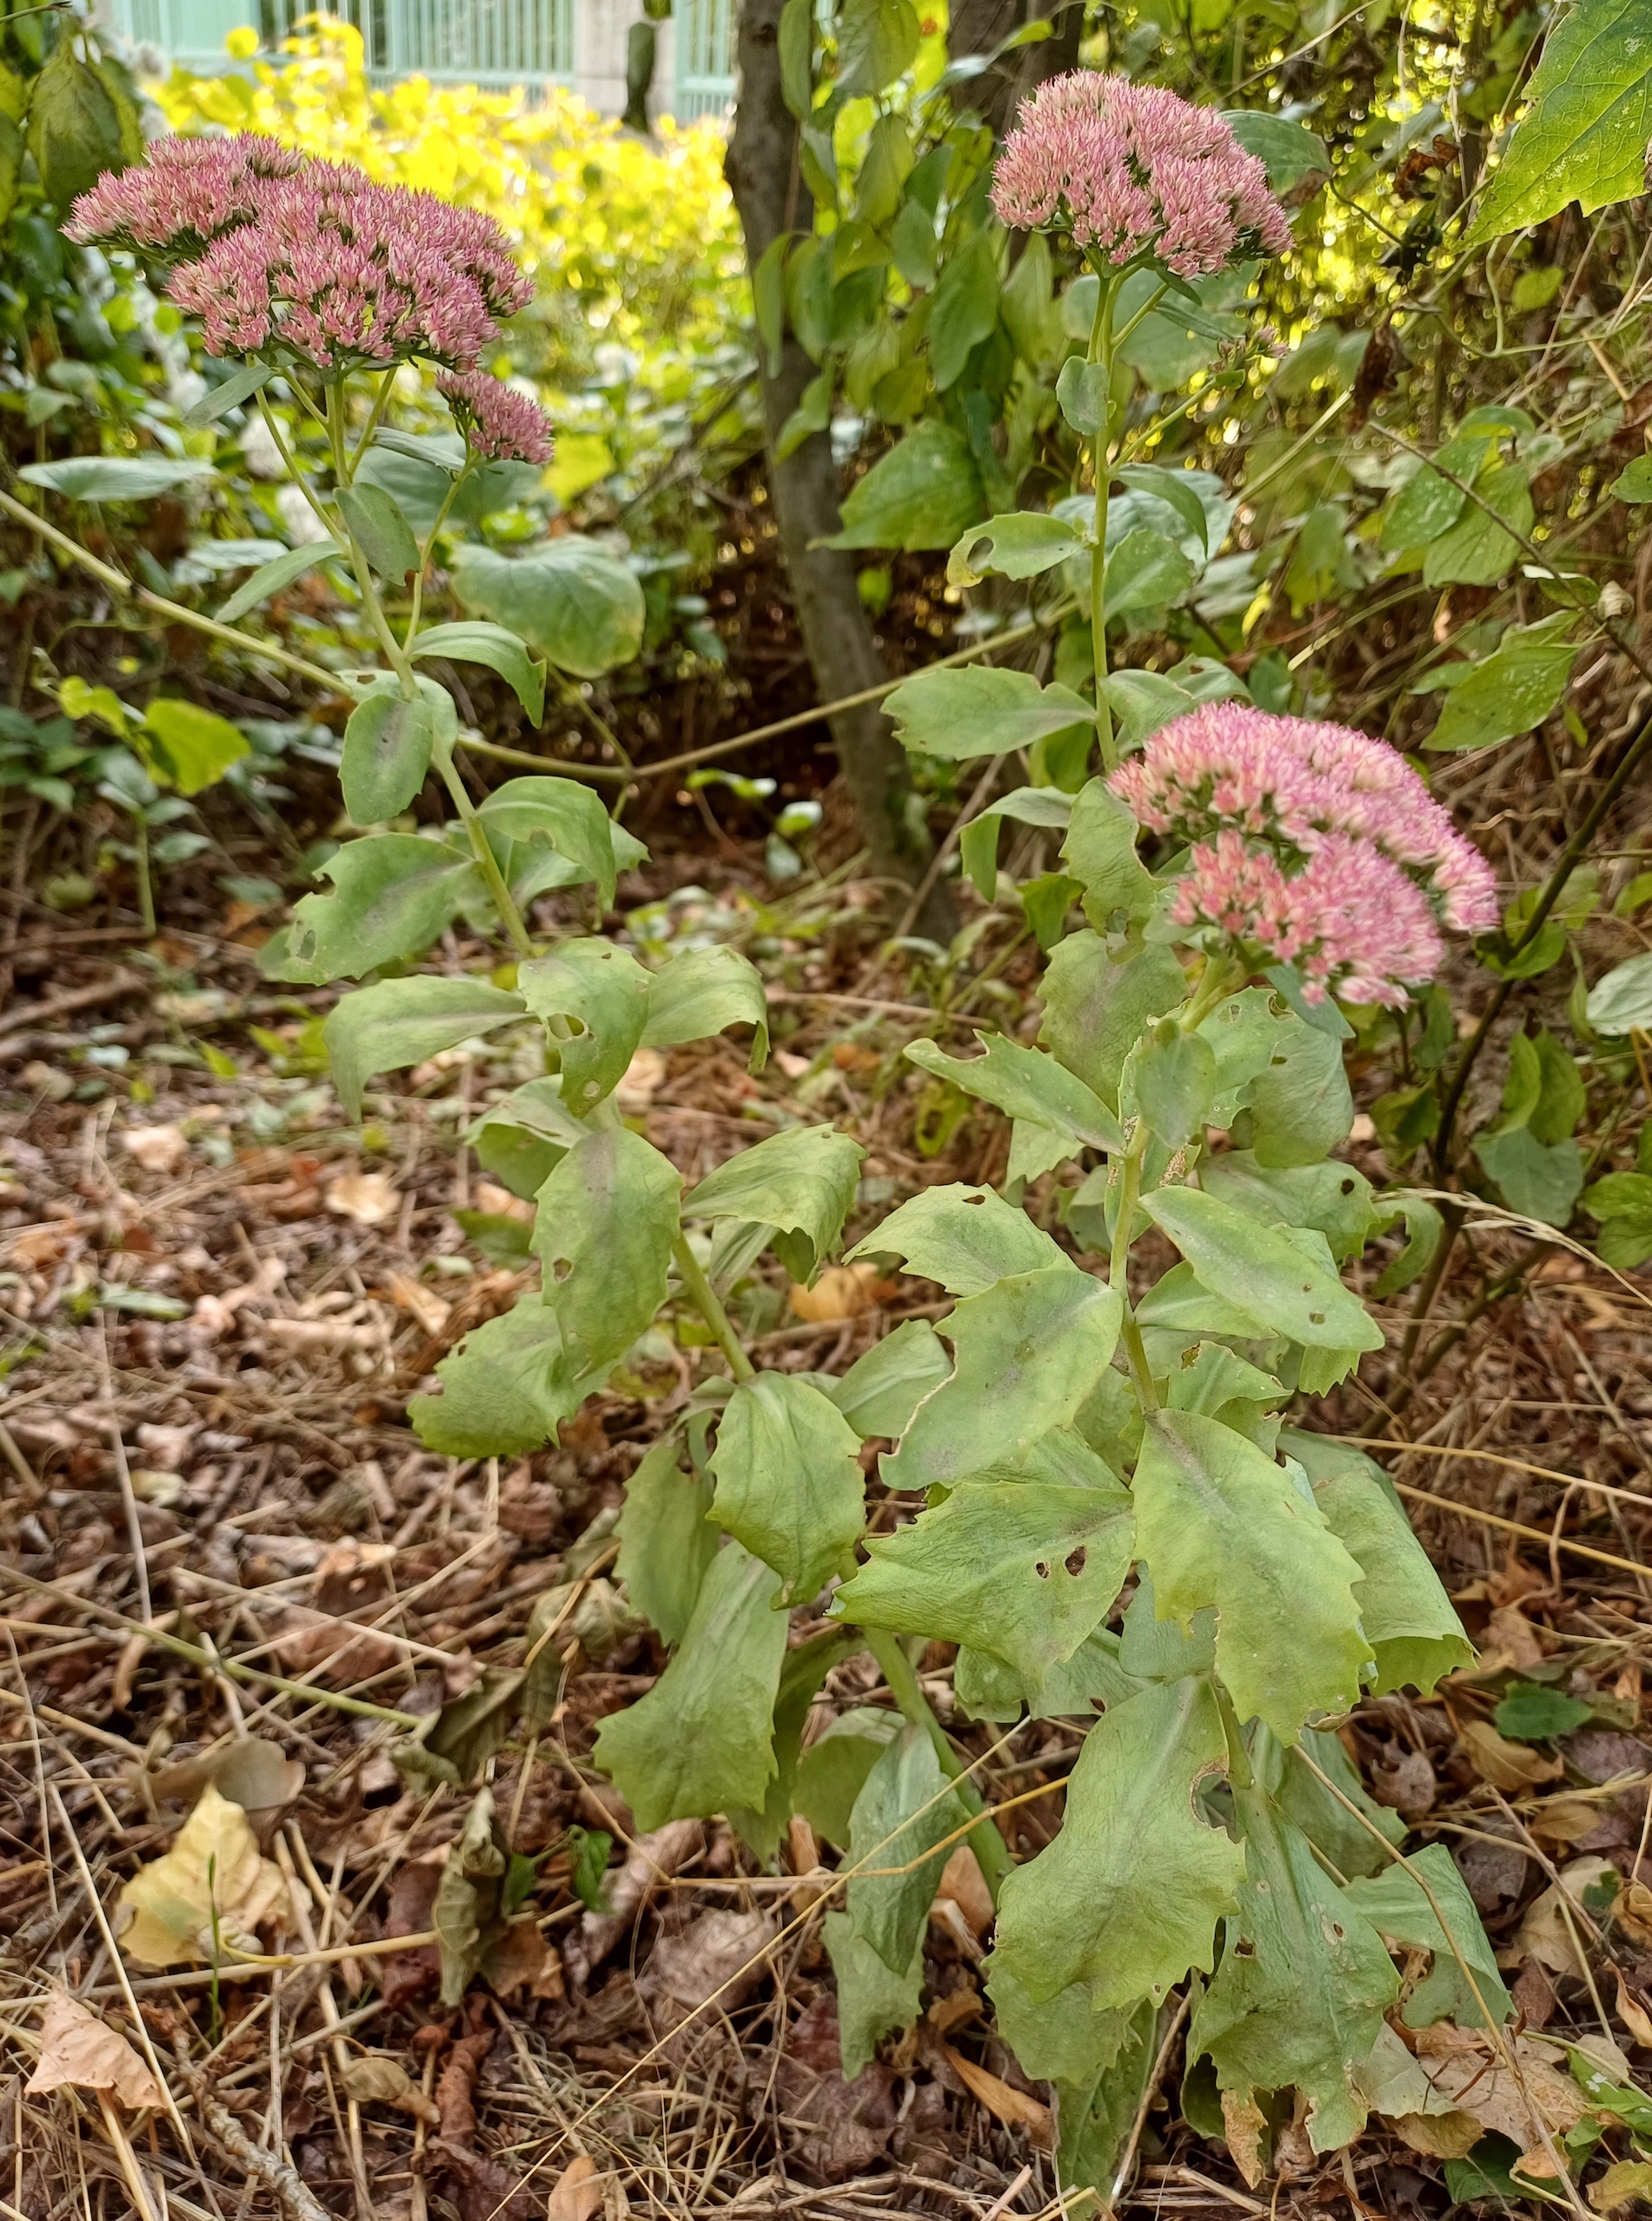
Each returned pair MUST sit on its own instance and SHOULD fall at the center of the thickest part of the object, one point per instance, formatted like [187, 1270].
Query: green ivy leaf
[386, 754]
[1219, 1523]
[1304, 1981]
[667, 1541]
[1409, 1619]
[1027, 1354]
[402, 1021]
[801, 1183]
[1027, 1084]
[958, 714]
[1588, 119]
[702, 1739]
[603, 1231]
[965, 1238]
[579, 605]
[789, 1483]
[571, 818]
[700, 993]
[1262, 1271]
[905, 1810]
[882, 1389]
[1023, 1569]
[497, 650]
[394, 894]
[1127, 1897]
[604, 988]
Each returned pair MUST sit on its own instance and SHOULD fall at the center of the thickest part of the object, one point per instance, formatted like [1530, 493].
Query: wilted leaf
[1504, 1764]
[82, 2052]
[376, 2080]
[466, 1915]
[210, 1893]
[1004, 2102]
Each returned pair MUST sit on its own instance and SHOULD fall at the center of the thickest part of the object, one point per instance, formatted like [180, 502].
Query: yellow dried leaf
[576, 2195]
[79, 2050]
[1438, 2136]
[1244, 2125]
[1633, 1913]
[1477, 2080]
[1623, 2180]
[1504, 1764]
[963, 1882]
[367, 1197]
[1633, 2014]
[214, 1871]
[1004, 2102]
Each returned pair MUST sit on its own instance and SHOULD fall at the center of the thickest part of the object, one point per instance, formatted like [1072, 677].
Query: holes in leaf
[561, 1268]
[1042, 1569]
[1347, 1184]
[1075, 1560]
[1316, 1317]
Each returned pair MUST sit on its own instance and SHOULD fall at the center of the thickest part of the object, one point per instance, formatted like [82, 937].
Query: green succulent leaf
[702, 992]
[605, 990]
[506, 1388]
[702, 1737]
[906, 1809]
[570, 817]
[374, 519]
[198, 746]
[802, 1183]
[1098, 1002]
[1027, 1354]
[386, 754]
[1406, 1904]
[1262, 1271]
[393, 895]
[1127, 1897]
[882, 1389]
[965, 1238]
[873, 2001]
[497, 650]
[1100, 852]
[667, 1541]
[1026, 1084]
[1023, 1569]
[958, 714]
[580, 606]
[789, 1483]
[399, 1022]
[1219, 1522]
[274, 577]
[606, 1221]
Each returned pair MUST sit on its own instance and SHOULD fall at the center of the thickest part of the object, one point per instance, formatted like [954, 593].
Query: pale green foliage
[789, 1483]
[666, 1539]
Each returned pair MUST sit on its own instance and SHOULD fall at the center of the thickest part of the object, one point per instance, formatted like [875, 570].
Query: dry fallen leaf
[1438, 2136]
[1566, 1819]
[1504, 1764]
[499, 1203]
[952, 2012]
[213, 1871]
[157, 1148]
[1623, 2180]
[1544, 1932]
[251, 1771]
[841, 1292]
[963, 1883]
[79, 2050]
[1244, 2125]
[1509, 1630]
[214, 1314]
[1003, 2100]
[576, 2195]
[1632, 2012]
[369, 1198]
[1633, 1913]
[1464, 2069]
[431, 1310]
[376, 2080]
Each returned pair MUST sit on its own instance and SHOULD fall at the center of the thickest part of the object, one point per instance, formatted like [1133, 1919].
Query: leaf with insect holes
[789, 1483]
[703, 991]
[398, 1023]
[1127, 1897]
[1027, 1354]
[387, 754]
[206, 1896]
[702, 1737]
[79, 2051]
[393, 895]
[505, 1387]
[1218, 1522]
[1023, 1569]
[1021, 545]
[605, 990]
[1409, 1619]
[905, 1810]
[965, 1238]
[666, 1541]
[1262, 1271]
[603, 1229]
[1304, 1981]
[801, 1183]
[1028, 1085]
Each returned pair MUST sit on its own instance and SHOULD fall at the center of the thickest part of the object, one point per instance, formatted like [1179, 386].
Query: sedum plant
[1112, 1515]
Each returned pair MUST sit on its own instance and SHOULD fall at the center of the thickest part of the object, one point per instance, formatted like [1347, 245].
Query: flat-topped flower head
[497, 422]
[272, 248]
[1292, 785]
[1310, 845]
[1136, 171]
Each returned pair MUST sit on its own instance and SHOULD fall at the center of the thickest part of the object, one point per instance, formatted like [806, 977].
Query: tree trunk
[981, 26]
[772, 197]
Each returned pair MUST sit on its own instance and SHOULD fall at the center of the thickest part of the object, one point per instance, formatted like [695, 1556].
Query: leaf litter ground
[218, 1301]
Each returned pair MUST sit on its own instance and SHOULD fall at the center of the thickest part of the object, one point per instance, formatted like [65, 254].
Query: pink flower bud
[498, 422]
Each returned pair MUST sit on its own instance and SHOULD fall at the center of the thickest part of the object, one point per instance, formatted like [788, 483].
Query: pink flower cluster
[1135, 170]
[498, 422]
[274, 249]
[1311, 845]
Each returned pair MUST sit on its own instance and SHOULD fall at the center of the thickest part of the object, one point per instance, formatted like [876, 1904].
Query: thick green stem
[709, 1303]
[1129, 1188]
[482, 848]
[1101, 352]
[989, 1846]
